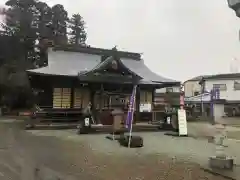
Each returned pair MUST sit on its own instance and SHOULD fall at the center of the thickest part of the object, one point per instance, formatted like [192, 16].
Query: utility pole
[202, 84]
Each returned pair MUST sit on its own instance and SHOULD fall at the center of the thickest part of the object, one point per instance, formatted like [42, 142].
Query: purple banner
[130, 113]
[215, 95]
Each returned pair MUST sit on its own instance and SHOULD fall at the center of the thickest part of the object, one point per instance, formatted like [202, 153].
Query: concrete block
[221, 163]
[136, 141]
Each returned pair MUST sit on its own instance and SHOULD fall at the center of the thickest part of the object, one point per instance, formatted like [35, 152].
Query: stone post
[218, 111]
[220, 160]
[219, 141]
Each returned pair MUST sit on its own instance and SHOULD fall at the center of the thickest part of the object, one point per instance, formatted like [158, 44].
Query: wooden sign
[182, 122]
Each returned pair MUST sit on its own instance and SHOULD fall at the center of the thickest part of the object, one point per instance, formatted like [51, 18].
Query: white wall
[190, 87]
[230, 94]
[164, 90]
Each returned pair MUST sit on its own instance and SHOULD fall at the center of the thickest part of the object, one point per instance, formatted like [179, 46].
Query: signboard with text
[182, 122]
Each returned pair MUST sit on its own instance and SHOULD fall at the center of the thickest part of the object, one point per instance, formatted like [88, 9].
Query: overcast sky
[179, 39]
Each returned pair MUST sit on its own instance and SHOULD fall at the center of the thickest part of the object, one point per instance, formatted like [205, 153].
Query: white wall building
[175, 89]
[228, 84]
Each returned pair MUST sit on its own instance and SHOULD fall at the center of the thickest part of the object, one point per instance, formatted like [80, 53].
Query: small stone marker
[220, 160]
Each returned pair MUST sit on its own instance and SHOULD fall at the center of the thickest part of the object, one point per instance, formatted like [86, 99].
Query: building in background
[192, 86]
[228, 84]
[167, 97]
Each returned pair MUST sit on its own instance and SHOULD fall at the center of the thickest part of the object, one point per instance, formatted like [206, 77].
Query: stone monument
[220, 160]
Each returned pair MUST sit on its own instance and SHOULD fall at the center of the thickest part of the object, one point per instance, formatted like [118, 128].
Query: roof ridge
[97, 51]
[105, 62]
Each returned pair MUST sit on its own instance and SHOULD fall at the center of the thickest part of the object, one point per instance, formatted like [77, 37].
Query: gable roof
[97, 51]
[224, 76]
[103, 64]
[216, 77]
[143, 71]
[65, 63]
[198, 78]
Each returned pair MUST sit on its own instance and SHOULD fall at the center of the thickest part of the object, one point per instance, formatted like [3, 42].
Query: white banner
[182, 122]
[145, 107]
[87, 121]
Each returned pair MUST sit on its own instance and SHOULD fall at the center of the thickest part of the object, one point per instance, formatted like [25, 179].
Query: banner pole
[132, 117]
[130, 136]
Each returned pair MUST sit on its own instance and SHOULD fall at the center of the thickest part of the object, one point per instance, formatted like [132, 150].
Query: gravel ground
[234, 135]
[110, 161]
[93, 157]
[196, 150]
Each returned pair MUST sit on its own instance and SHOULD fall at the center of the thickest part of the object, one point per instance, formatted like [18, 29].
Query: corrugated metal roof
[224, 76]
[68, 63]
[198, 78]
[71, 63]
[216, 77]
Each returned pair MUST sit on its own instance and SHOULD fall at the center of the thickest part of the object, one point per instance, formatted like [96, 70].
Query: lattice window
[145, 97]
[61, 97]
[77, 101]
[81, 98]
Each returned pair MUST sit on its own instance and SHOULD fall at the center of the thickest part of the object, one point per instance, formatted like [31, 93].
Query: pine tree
[44, 21]
[77, 33]
[44, 33]
[59, 24]
[21, 21]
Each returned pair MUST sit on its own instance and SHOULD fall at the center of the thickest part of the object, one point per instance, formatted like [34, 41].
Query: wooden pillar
[72, 97]
[99, 114]
[101, 98]
[93, 108]
[50, 95]
[137, 116]
[153, 100]
[92, 94]
[153, 96]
